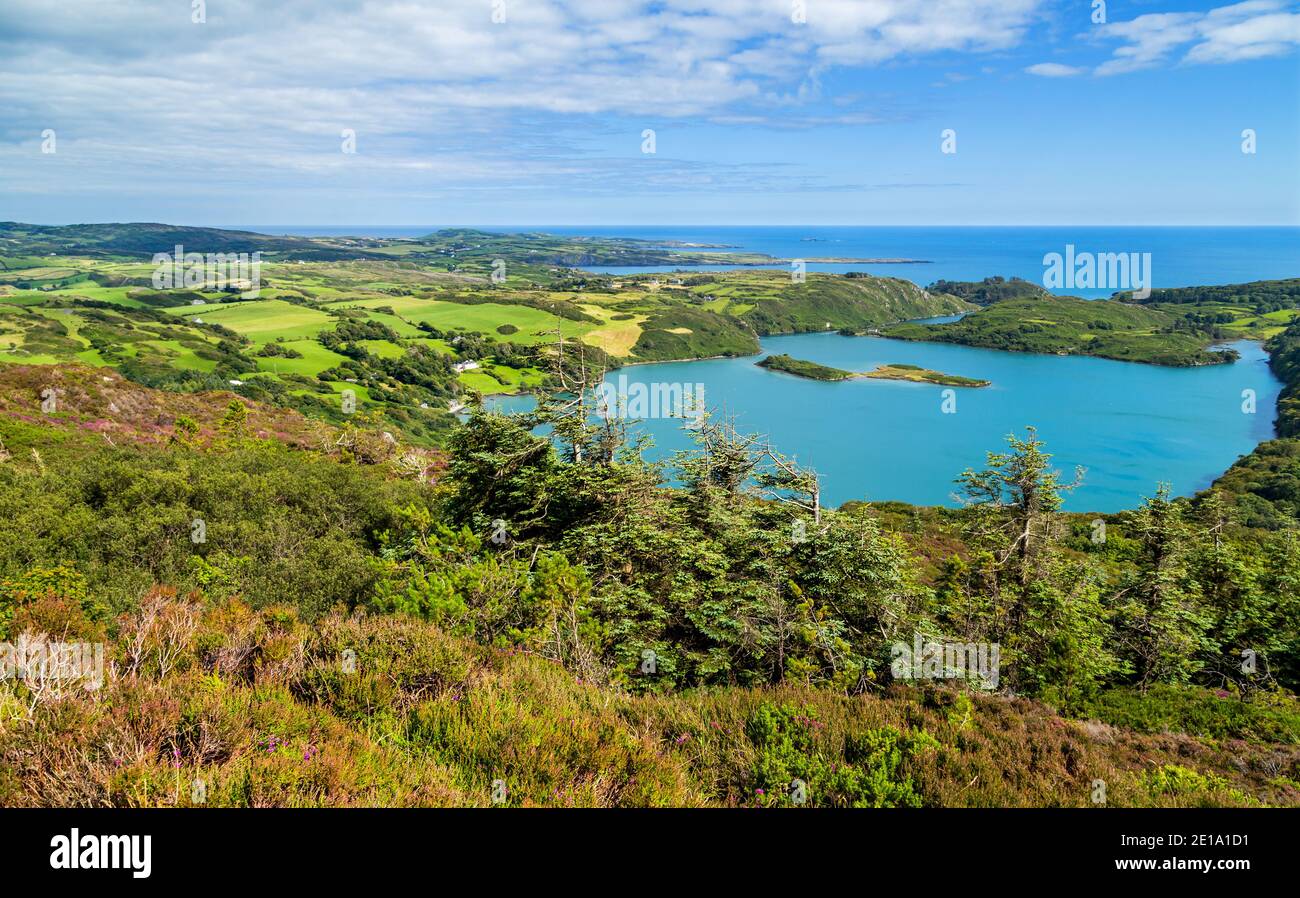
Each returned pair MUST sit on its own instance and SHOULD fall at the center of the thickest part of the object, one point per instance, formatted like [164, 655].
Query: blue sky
[763, 111]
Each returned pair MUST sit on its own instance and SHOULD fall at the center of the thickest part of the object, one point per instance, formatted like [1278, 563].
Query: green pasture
[315, 359]
[383, 349]
[261, 320]
[492, 379]
[482, 317]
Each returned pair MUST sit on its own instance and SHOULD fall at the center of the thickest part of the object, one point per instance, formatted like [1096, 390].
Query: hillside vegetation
[1071, 326]
[258, 708]
[1266, 483]
[1259, 309]
[142, 240]
[410, 329]
[1261, 296]
[316, 585]
[351, 631]
[1284, 358]
[448, 247]
[989, 290]
[830, 302]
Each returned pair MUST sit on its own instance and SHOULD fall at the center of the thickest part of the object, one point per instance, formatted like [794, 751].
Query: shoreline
[703, 267]
[1077, 355]
[868, 374]
[1074, 355]
[1204, 482]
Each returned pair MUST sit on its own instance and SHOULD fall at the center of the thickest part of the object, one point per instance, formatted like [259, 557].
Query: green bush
[790, 769]
[1218, 714]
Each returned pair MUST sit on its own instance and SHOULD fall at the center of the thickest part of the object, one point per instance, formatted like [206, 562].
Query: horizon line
[228, 226]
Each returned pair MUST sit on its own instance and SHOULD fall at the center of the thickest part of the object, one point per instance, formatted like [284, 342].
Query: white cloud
[1254, 29]
[1255, 38]
[437, 92]
[686, 55]
[444, 99]
[1054, 70]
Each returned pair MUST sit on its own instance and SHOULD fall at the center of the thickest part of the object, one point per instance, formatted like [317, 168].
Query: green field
[534, 326]
[261, 320]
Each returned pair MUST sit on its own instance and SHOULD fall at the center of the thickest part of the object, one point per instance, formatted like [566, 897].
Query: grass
[383, 348]
[120, 296]
[400, 326]
[315, 359]
[180, 356]
[1215, 714]
[262, 320]
[263, 710]
[617, 338]
[533, 324]
[1260, 327]
[493, 379]
[440, 346]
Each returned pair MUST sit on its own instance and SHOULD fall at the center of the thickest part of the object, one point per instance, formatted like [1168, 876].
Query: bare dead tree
[787, 482]
[570, 403]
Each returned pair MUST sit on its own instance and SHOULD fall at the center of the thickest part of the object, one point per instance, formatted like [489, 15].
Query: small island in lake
[925, 375]
[804, 368]
[915, 373]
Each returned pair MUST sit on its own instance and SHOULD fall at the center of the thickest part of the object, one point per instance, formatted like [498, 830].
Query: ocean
[1180, 256]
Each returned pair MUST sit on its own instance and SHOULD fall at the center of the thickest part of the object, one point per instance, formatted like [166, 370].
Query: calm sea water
[1180, 256]
[1132, 426]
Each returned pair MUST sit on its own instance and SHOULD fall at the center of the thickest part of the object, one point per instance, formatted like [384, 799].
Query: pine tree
[1163, 624]
[1010, 518]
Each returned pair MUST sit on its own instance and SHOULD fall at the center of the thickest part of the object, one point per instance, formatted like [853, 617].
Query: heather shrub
[54, 601]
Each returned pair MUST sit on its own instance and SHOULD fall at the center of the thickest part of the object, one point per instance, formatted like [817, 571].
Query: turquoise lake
[1132, 426]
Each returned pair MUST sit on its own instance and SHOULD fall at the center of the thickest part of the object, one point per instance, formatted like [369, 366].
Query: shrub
[1217, 714]
[790, 769]
[1190, 788]
[55, 601]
